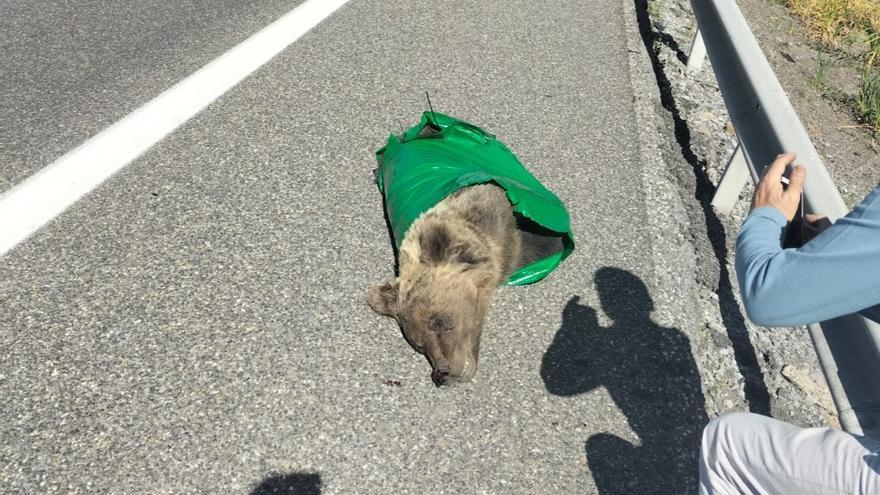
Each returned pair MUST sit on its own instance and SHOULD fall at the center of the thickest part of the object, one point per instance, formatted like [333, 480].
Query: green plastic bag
[441, 155]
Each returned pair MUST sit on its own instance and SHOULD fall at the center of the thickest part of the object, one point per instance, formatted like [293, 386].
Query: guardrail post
[734, 179]
[697, 54]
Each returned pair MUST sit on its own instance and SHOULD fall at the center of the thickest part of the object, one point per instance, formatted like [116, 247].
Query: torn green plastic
[418, 169]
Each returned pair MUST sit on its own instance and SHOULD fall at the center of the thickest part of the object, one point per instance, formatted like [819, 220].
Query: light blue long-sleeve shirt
[835, 274]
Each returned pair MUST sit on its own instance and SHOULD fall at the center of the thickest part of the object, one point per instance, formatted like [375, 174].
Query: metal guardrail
[766, 125]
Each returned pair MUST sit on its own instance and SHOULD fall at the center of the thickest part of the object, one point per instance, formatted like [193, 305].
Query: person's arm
[836, 273]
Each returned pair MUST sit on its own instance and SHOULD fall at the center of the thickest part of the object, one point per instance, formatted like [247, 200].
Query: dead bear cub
[451, 260]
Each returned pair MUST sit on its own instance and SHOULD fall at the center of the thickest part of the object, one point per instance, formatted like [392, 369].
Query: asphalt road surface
[198, 323]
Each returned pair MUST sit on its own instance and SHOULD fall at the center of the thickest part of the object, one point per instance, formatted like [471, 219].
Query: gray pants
[750, 453]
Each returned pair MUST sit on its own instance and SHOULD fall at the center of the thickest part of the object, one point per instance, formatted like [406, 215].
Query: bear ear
[434, 242]
[437, 246]
[468, 256]
[383, 298]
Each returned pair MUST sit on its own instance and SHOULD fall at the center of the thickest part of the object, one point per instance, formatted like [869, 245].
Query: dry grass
[843, 21]
[869, 99]
[852, 23]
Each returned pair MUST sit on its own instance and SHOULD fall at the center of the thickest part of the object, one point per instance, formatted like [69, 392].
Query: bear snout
[438, 376]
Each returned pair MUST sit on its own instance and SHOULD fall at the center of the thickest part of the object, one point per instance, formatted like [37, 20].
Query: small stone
[717, 327]
[817, 392]
[729, 129]
[703, 129]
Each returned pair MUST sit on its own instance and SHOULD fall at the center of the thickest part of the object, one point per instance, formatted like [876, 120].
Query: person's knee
[723, 434]
[720, 425]
[719, 451]
[734, 421]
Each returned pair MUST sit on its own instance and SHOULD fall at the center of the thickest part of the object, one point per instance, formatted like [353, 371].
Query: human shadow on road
[650, 374]
[291, 483]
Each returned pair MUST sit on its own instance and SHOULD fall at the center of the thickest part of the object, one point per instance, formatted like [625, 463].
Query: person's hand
[769, 191]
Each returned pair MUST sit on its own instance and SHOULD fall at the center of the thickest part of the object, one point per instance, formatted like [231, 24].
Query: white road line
[41, 197]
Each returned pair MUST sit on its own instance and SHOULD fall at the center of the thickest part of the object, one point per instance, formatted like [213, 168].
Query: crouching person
[835, 274]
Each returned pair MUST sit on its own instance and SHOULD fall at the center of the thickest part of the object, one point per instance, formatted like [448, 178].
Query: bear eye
[440, 324]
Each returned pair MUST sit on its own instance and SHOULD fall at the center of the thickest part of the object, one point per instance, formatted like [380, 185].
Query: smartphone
[799, 231]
